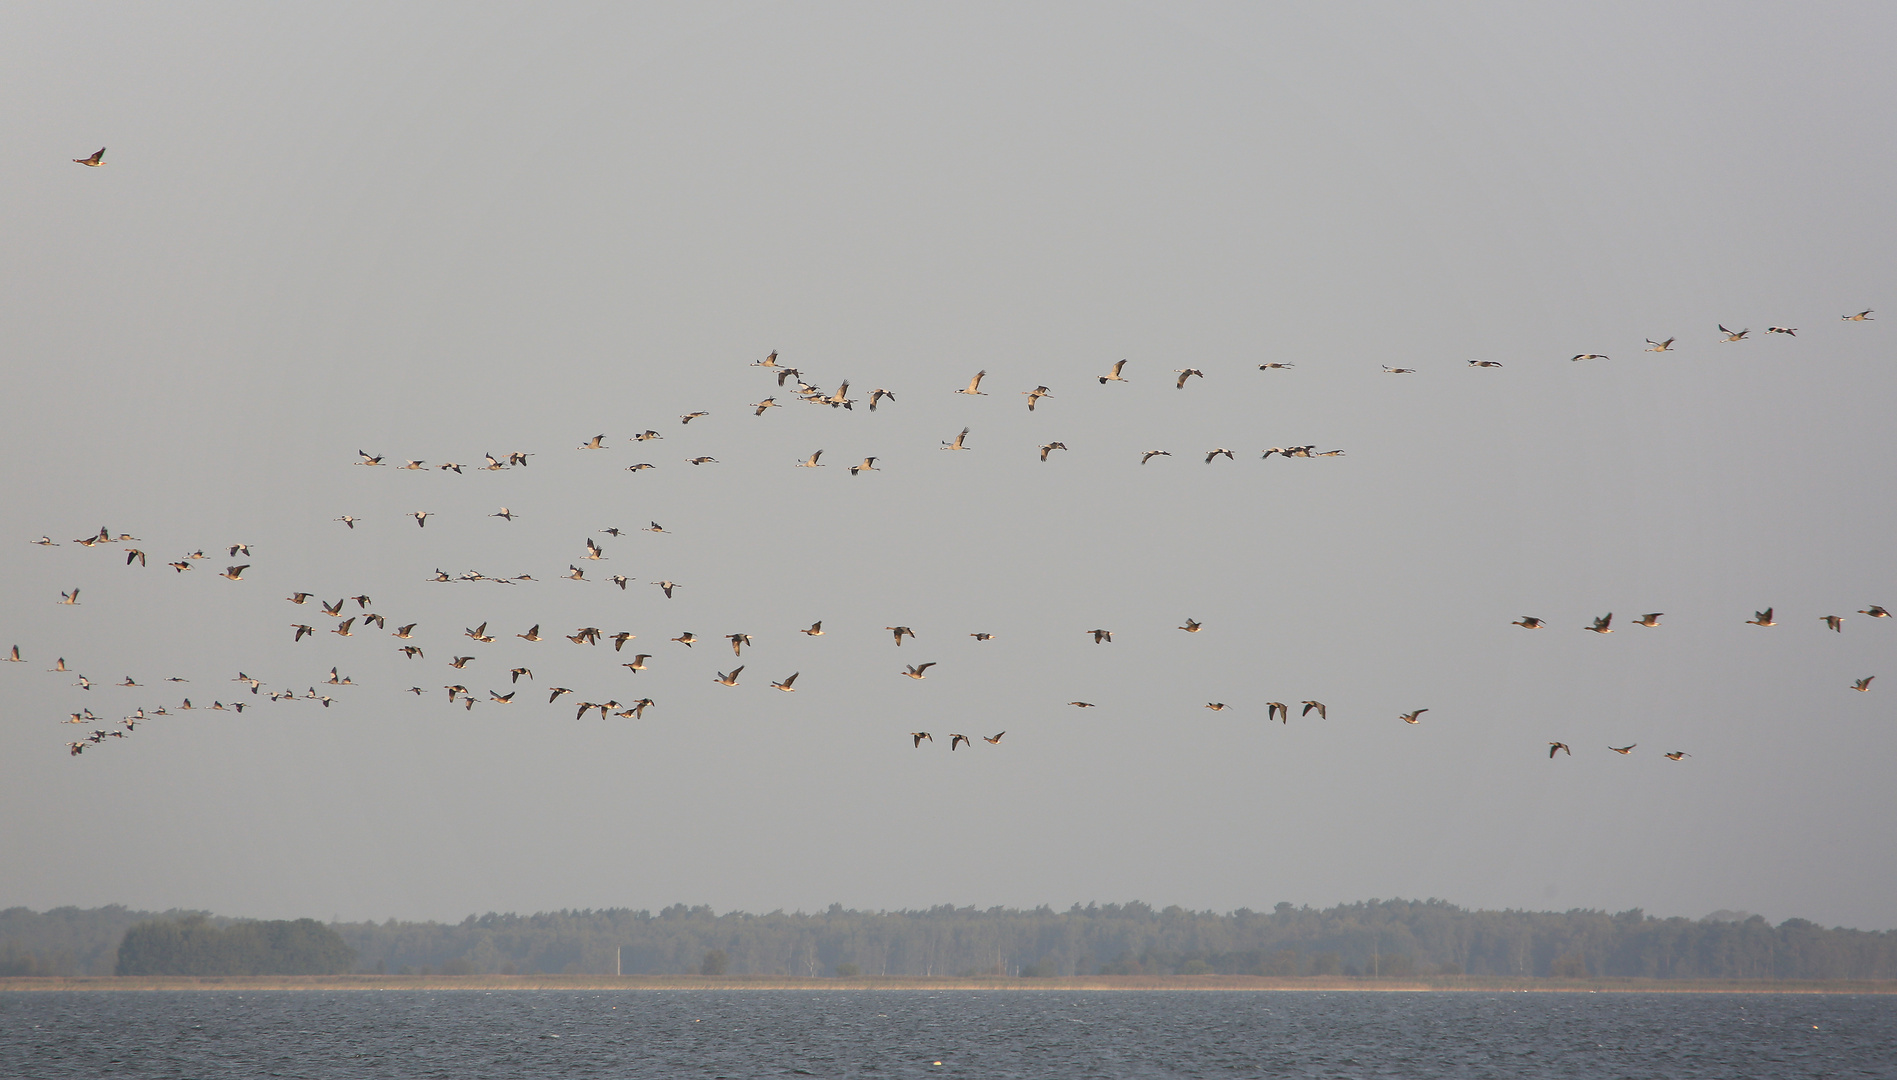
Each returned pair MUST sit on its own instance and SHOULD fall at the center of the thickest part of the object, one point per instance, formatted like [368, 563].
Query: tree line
[1371, 939]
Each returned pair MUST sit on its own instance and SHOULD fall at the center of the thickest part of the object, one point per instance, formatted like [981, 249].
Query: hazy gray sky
[430, 231]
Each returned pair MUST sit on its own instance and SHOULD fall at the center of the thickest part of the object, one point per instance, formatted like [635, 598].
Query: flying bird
[785, 686]
[1602, 624]
[1151, 454]
[816, 629]
[812, 463]
[1623, 751]
[1081, 704]
[666, 587]
[1100, 636]
[1114, 375]
[1216, 706]
[869, 465]
[1761, 618]
[1650, 619]
[1051, 447]
[1035, 395]
[1278, 709]
[1398, 370]
[231, 572]
[957, 444]
[1733, 335]
[1275, 367]
[767, 403]
[982, 636]
[1412, 717]
[1875, 612]
[914, 671]
[96, 160]
[1529, 622]
[302, 630]
[974, 385]
[421, 518]
[957, 740]
[1862, 316]
[1677, 755]
[1484, 363]
[1863, 684]
[686, 639]
[1558, 747]
[877, 395]
[1216, 453]
[918, 736]
[1660, 346]
[1788, 331]
[1835, 622]
[689, 417]
[1593, 356]
[992, 739]
[1318, 705]
[731, 678]
[1184, 374]
[638, 662]
[899, 631]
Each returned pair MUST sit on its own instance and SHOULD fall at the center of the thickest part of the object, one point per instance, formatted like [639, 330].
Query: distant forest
[1378, 938]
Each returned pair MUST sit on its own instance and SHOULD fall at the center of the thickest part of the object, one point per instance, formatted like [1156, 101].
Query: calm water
[763, 1033]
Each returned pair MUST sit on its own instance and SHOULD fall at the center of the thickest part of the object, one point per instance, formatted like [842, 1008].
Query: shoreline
[1118, 983]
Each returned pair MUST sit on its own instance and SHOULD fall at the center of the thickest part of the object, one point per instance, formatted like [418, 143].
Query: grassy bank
[1465, 983]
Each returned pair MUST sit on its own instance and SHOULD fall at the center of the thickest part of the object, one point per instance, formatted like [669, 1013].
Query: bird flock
[496, 654]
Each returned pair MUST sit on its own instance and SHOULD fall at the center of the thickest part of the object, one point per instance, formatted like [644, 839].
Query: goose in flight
[46, 541]
[1650, 619]
[1733, 335]
[1398, 370]
[1050, 448]
[957, 740]
[347, 520]
[302, 630]
[1603, 624]
[993, 739]
[1529, 622]
[638, 662]
[869, 465]
[1761, 618]
[769, 361]
[1862, 316]
[505, 514]
[1192, 626]
[811, 462]
[1660, 346]
[620, 639]
[1874, 612]
[974, 385]
[1035, 395]
[1081, 704]
[653, 527]
[1788, 331]
[134, 553]
[915, 671]
[479, 633]
[918, 736]
[1278, 709]
[1677, 755]
[412, 652]
[686, 639]
[96, 160]
[14, 657]
[1217, 452]
[786, 686]
[502, 699]
[816, 629]
[982, 636]
[231, 572]
[1216, 706]
[556, 692]
[666, 587]
[69, 598]
[1558, 748]
[1412, 717]
[738, 642]
[729, 678]
[957, 444]
[647, 436]
[1835, 622]
[341, 629]
[1100, 636]
[1318, 705]
[767, 403]
[532, 634]
[1863, 684]
[421, 518]
[899, 631]
[335, 609]
[691, 416]
[705, 459]
[1184, 374]
[1623, 751]
[1484, 363]
[1114, 375]
[597, 442]
[459, 662]
[1592, 356]
[1275, 367]
[1151, 454]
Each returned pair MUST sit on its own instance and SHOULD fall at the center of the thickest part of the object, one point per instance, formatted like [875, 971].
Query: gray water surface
[1046, 1034]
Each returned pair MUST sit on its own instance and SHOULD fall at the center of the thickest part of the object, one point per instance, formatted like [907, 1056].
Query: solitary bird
[974, 385]
[1049, 448]
[1623, 751]
[1035, 395]
[1733, 335]
[1318, 705]
[982, 636]
[421, 518]
[1660, 346]
[785, 686]
[731, 678]
[1602, 625]
[1114, 375]
[1184, 374]
[1863, 684]
[1101, 636]
[1558, 747]
[918, 736]
[1650, 619]
[914, 671]
[505, 514]
[816, 629]
[96, 160]
[1835, 622]
[1412, 717]
[957, 444]
[1191, 627]
[1761, 618]
[1529, 622]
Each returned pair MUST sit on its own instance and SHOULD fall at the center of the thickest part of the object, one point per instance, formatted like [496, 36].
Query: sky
[434, 231]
